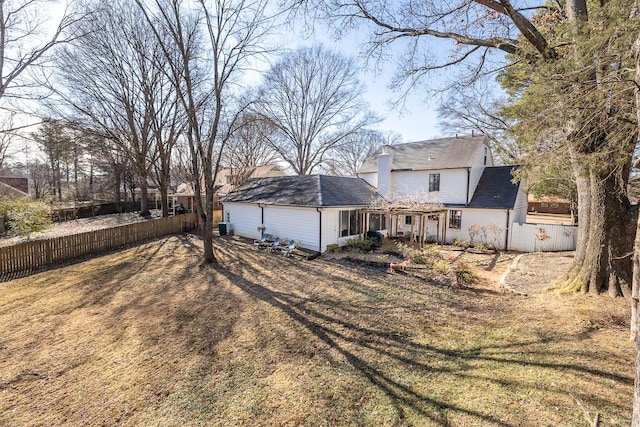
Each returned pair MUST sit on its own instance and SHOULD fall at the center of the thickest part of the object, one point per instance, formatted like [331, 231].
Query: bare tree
[477, 108]
[27, 34]
[313, 98]
[248, 147]
[55, 141]
[40, 179]
[115, 84]
[207, 50]
[348, 156]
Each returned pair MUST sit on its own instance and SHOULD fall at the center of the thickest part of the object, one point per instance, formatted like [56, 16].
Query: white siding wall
[482, 217]
[371, 178]
[299, 224]
[453, 184]
[245, 218]
[330, 227]
[477, 168]
[520, 207]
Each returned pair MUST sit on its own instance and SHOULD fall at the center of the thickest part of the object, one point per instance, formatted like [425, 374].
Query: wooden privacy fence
[527, 237]
[38, 253]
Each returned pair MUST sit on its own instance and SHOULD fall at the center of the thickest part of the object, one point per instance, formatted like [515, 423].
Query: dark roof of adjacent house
[495, 189]
[444, 153]
[305, 190]
[7, 190]
[20, 184]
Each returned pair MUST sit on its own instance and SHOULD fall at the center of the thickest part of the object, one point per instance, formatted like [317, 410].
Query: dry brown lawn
[147, 336]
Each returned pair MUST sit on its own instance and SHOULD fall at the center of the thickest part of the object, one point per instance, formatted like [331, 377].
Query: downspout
[506, 233]
[320, 230]
[261, 213]
[468, 184]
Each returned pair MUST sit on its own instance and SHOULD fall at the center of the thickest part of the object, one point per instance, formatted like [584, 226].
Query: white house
[314, 210]
[458, 173]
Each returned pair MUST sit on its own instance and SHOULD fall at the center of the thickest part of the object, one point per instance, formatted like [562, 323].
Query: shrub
[359, 245]
[24, 217]
[333, 248]
[464, 275]
[441, 266]
[464, 244]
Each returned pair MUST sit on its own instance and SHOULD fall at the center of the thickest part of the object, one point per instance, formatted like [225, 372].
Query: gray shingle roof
[306, 190]
[495, 189]
[444, 153]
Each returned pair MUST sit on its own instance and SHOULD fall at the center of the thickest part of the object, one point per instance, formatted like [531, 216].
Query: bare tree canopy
[347, 157]
[207, 47]
[434, 35]
[248, 147]
[115, 82]
[27, 35]
[313, 98]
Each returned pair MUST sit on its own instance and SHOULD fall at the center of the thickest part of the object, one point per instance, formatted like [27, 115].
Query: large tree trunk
[635, 319]
[144, 197]
[606, 235]
[207, 236]
[164, 198]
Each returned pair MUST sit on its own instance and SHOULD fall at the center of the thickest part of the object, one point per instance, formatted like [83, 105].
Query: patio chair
[261, 243]
[274, 246]
[288, 250]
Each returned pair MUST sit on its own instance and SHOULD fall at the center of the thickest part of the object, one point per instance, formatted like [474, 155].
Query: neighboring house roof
[546, 199]
[254, 172]
[20, 184]
[495, 189]
[222, 187]
[7, 190]
[305, 190]
[444, 153]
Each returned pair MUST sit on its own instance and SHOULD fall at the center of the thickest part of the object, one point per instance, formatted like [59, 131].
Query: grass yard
[146, 336]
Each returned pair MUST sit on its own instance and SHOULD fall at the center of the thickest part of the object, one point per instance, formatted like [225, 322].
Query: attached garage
[313, 210]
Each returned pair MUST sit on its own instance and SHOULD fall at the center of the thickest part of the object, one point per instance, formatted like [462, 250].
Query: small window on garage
[408, 220]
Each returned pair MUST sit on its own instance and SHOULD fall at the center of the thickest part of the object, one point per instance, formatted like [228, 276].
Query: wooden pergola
[418, 228]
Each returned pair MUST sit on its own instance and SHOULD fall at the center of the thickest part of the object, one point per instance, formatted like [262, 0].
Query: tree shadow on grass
[402, 395]
[363, 347]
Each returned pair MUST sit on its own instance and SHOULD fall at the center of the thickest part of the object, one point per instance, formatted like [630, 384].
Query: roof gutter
[319, 230]
[506, 232]
[466, 203]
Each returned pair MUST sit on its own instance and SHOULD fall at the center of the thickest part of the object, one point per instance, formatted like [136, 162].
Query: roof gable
[444, 153]
[495, 189]
[305, 190]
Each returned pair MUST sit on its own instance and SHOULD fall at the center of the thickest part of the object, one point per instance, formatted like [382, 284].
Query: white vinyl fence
[542, 237]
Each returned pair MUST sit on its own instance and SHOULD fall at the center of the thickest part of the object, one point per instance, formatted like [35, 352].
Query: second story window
[434, 182]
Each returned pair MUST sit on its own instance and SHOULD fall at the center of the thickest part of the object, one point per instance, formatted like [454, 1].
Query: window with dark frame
[455, 219]
[350, 223]
[377, 222]
[434, 182]
[408, 220]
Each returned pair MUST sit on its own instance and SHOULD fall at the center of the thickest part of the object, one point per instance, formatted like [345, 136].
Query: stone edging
[503, 279]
